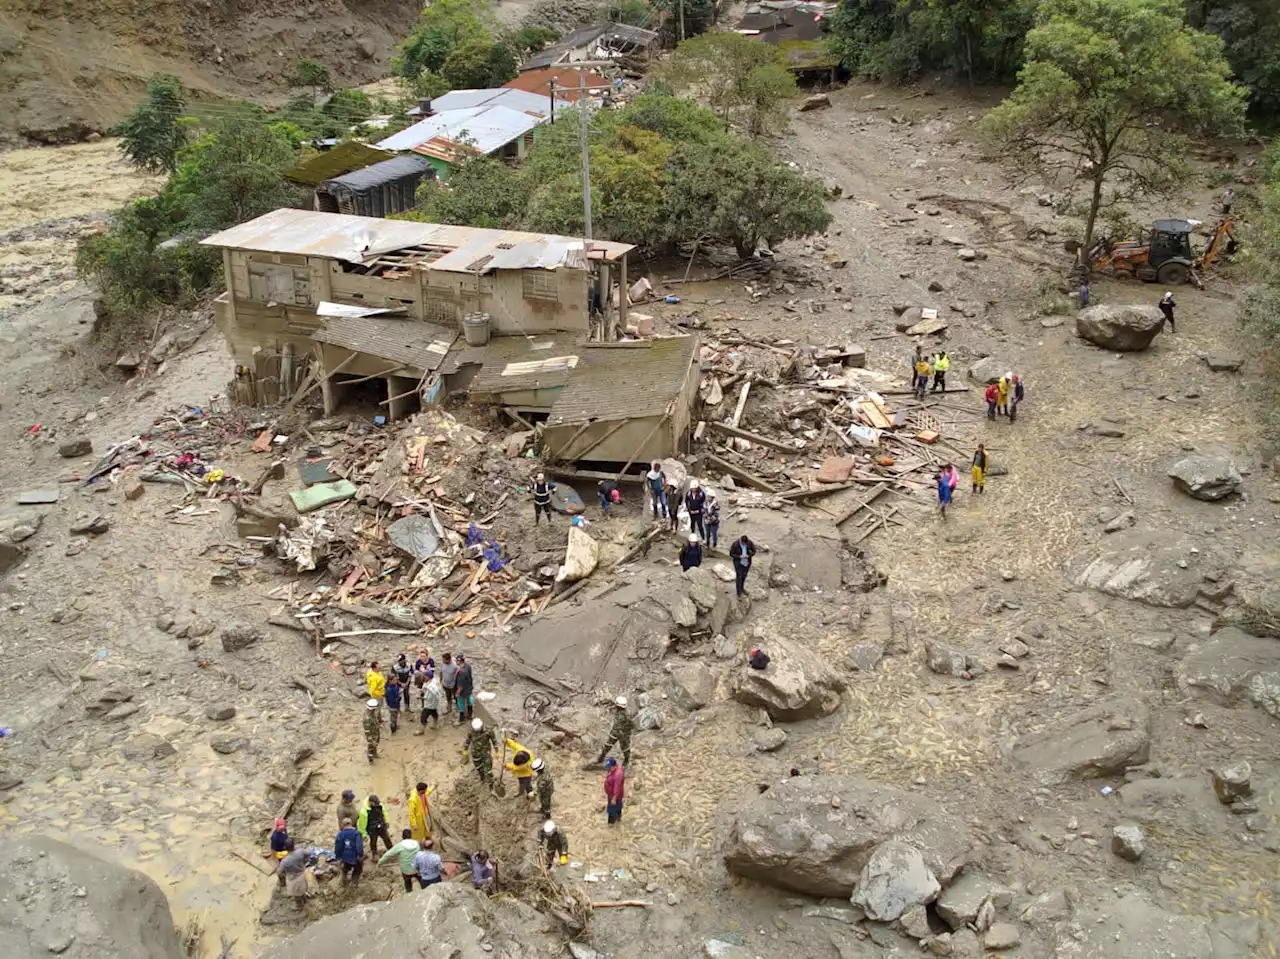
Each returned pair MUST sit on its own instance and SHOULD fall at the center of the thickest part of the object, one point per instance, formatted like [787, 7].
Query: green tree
[533, 39]
[699, 16]
[1108, 95]
[442, 27]
[635, 13]
[233, 173]
[740, 78]
[482, 191]
[479, 64]
[309, 73]
[155, 131]
[348, 107]
[1250, 32]
[739, 193]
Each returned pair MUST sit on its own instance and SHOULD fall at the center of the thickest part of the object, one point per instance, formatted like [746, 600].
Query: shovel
[499, 788]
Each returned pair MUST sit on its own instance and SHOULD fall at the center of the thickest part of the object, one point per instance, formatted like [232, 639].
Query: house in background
[513, 98]
[384, 300]
[561, 82]
[378, 190]
[798, 28]
[447, 137]
[600, 41]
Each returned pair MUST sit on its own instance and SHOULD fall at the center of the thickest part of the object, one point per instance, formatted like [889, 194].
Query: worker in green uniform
[619, 732]
[481, 744]
[546, 787]
[372, 729]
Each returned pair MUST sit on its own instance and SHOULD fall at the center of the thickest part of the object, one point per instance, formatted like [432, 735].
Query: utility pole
[681, 21]
[552, 95]
[583, 106]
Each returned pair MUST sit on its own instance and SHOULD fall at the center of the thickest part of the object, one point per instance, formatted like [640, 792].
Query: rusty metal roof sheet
[358, 239]
[620, 381]
[418, 345]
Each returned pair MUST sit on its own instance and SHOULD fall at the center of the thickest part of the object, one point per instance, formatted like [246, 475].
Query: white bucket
[475, 328]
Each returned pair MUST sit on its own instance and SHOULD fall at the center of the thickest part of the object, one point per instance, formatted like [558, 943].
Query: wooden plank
[581, 454]
[738, 473]
[862, 504]
[883, 522]
[796, 495]
[563, 453]
[753, 437]
[652, 433]
[742, 403]
[568, 474]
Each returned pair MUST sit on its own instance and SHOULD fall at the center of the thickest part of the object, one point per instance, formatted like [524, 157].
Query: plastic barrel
[475, 328]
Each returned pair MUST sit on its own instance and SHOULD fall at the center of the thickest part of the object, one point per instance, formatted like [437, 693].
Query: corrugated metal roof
[496, 357]
[566, 78]
[388, 171]
[481, 255]
[360, 238]
[418, 345]
[345, 157]
[472, 130]
[513, 98]
[615, 382]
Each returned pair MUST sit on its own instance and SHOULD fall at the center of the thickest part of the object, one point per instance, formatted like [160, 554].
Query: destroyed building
[600, 41]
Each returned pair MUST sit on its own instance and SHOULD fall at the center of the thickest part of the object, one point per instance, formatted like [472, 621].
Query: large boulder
[988, 370]
[61, 899]
[894, 879]
[814, 834]
[1234, 666]
[444, 921]
[1121, 328]
[1134, 927]
[1102, 740]
[1155, 567]
[1205, 477]
[796, 685]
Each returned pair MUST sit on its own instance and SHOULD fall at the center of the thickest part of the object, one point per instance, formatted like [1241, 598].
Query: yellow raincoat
[420, 822]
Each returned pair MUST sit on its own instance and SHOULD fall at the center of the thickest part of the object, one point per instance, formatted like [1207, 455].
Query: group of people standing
[447, 689]
[1003, 397]
[923, 367]
[948, 478]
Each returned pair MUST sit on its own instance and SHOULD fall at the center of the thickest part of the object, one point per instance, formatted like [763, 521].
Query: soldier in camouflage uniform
[372, 729]
[480, 746]
[619, 732]
[546, 787]
[554, 843]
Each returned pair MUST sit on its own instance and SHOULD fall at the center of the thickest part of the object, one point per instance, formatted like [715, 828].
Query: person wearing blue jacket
[394, 692]
[349, 848]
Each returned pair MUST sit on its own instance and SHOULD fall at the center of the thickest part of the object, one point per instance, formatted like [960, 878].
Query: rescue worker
[393, 695]
[376, 682]
[992, 396]
[1166, 307]
[542, 491]
[373, 824]
[941, 364]
[420, 823]
[712, 521]
[1018, 393]
[554, 844]
[619, 732]
[404, 852]
[691, 553]
[695, 502]
[923, 369]
[372, 729]
[480, 746]
[613, 787]
[348, 848]
[521, 766]
[656, 482]
[979, 469]
[546, 787]
[347, 807]
[1002, 394]
[742, 552]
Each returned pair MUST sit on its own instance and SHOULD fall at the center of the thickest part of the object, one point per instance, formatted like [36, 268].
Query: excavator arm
[1223, 242]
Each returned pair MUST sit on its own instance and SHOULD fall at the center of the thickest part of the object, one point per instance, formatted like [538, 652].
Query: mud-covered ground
[149, 790]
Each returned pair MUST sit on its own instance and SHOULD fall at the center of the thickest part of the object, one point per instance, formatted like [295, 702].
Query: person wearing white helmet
[1166, 307]
[480, 746]
[695, 501]
[619, 732]
[691, 553]
[372, 728]
[546, 786]
[542, 491]
[554, 842]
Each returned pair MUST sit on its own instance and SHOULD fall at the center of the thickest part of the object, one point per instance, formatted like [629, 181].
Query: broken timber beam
[752, 437]
[581, 454]
[738, 473]
[742, 403]
[643, 443]
[797, 495]
[862, 504]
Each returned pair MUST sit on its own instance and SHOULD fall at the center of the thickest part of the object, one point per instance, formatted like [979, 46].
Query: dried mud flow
[135, 607]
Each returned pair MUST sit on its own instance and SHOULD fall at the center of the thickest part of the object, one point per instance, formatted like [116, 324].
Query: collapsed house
[417, 311]
[601, 41]
[799, 29]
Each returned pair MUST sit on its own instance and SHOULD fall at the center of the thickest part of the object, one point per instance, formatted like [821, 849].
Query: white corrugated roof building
[451, 135]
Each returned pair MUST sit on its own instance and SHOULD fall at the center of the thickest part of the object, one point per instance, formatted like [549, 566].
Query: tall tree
[479, 64]
[155, 131]
[1109, 93]
[442, 28]
[741, 78]
[309, 73]
[1250, 31]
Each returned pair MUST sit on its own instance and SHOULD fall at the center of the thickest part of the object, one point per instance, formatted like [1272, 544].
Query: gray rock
[1120, 328]
[945, 660]
[865, 656]
[1206, 477]
[648, 717]
[960, 901]
[770, 740]
[240, 636]
[1157, 641]
[988, 370]
[1233, 782]
[1124, 521]
[1052, 906]
[220, 713]
[11, 554]
[1155, 567]
[968, 255]
[578, 950]
[1144, 930]
[1001, 936]
[123, 711]
[1015, 648]
[1224, 362]
[702, 589]
[73, 898]
[1233, 667]
[1101, 740]
[816, 101]
[692, 685]
[684, 612]
[894, 879]
[813, 834]
[722, 647]
[93, 526]
[227, 744]
[915, 923]
[796, 685]
[80, 446]
[1128, 842]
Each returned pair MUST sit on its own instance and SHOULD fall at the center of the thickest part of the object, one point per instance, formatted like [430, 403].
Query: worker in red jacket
[613, 788]
[993, 399]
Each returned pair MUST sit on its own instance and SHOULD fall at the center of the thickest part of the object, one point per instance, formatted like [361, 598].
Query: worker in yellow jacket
[941, 363]
[421, 826]
[521, 766]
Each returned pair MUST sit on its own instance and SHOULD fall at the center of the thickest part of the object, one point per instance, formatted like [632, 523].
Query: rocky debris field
[1037, 728]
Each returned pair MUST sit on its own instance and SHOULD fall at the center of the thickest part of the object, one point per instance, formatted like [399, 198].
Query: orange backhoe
[1163, 254]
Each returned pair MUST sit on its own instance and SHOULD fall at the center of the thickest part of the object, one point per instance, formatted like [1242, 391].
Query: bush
[155, 131]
